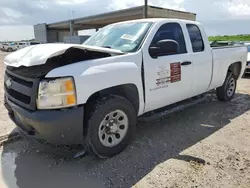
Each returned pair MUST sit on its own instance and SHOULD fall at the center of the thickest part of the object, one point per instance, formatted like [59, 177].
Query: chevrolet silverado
[91, 94]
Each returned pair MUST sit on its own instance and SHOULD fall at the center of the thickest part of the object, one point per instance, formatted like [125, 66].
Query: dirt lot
[6, 124]
[207, 145]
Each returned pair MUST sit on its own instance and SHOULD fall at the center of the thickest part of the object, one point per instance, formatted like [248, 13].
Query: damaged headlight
[58, 93]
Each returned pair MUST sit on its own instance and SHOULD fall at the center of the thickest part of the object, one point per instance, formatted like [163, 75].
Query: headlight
[58, 93]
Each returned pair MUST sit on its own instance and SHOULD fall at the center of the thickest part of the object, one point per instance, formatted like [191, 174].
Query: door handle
[186, 63]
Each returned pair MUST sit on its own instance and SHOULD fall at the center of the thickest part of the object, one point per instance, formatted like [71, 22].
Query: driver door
[168, 78]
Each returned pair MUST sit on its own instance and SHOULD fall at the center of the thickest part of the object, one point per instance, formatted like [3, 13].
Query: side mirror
[164, 47]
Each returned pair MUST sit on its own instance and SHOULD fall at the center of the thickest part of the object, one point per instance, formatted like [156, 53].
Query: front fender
[98, 77]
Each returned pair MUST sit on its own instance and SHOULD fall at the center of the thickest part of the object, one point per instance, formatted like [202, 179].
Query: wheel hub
[231, 87]
[112, 126]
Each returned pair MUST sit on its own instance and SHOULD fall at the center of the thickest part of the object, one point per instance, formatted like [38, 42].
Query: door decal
[175, 72]
[164, 75]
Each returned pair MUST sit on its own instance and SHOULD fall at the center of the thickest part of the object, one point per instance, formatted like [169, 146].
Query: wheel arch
[128, 91]
[9, 49]
[236, 69]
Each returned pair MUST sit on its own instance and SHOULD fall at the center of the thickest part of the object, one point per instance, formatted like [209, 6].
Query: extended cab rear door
[167, 78]
[201, 57]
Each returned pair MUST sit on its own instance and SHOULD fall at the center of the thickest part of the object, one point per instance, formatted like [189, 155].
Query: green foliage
[230, 38]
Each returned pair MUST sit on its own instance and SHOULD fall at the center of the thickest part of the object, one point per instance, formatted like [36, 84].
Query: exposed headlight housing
[58, 93]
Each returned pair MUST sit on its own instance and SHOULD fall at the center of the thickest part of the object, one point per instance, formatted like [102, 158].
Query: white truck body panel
[248, 61]
[95, 75]
[222, 59]
[247, 71]
[207, 71]
[189, 85]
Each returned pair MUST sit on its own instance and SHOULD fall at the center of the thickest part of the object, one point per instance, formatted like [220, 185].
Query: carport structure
[55, 32]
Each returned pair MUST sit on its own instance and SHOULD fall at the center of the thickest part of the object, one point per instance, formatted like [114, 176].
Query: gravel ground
[207, 145]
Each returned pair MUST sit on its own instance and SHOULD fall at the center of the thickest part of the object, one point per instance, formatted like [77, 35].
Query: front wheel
[227, 90]
[9, 50]
[110, 127]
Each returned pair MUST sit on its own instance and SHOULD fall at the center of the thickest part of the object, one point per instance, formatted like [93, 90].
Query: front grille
[21, 90]
[18, 96]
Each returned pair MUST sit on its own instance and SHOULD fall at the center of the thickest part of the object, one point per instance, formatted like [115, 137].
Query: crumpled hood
[38, 54]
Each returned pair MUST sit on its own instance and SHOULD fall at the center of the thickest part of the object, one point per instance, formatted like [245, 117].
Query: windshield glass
[126, 37]
[248, 48]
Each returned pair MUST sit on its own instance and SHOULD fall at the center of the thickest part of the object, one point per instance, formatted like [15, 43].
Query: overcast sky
[219, 16]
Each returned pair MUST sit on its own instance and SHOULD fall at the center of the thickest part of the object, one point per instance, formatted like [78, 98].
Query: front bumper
[57, 127]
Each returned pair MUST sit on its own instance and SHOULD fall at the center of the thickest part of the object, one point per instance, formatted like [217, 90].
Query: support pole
[71, 28]
[145, 14]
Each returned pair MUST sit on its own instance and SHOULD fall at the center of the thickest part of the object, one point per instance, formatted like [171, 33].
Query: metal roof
[100, 20]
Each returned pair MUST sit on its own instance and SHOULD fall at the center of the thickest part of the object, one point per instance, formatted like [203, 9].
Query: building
[56, 32]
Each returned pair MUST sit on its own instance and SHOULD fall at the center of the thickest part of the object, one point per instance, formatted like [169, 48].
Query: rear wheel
[227, 90]
[110, 126]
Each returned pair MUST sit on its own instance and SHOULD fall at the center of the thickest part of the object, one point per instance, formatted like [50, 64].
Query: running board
[159, 113]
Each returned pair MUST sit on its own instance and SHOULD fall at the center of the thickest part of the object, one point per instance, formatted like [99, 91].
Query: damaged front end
[28, 66]
[25, 71]
[34, 69]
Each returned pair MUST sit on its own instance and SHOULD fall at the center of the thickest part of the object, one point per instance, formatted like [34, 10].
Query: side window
[196, 38]
[171, 31]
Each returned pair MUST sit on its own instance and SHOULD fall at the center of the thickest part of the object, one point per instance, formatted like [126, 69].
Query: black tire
[9, 50]
[97, 112]
[222, 92]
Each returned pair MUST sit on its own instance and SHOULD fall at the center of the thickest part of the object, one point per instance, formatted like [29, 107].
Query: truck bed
[223, 57]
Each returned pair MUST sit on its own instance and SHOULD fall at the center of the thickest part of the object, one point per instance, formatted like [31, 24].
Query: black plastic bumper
[58, 127]
[247, 71]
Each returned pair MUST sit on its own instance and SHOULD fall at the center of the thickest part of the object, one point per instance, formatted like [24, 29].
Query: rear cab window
[195, 38]
[171, 31]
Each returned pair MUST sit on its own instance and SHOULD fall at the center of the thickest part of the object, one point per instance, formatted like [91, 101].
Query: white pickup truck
[247, 71]
[91, 94]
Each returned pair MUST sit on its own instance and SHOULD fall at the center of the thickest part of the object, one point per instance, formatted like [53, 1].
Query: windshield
[248, 48]
[126, 37]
